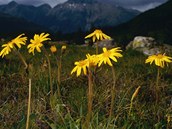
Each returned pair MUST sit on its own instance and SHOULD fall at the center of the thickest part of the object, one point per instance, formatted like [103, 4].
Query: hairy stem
[90, 97]
[112, 93]
[21, 57]
[29, 101]
[97, 48]
[157, 85]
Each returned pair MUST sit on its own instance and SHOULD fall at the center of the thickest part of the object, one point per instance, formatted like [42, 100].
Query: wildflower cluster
[20, 40]
[85, 66]
[93, 60]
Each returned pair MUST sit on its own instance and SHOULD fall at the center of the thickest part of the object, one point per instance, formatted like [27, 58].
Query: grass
[70, 111]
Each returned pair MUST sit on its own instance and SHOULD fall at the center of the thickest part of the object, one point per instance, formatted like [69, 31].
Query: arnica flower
[91, 61]
[80, 65]
[10, 45]
[53, 49]
[112, 54]
[98, 34]
[37, 42]
[6, 49]
[159, 59]
[19, 40]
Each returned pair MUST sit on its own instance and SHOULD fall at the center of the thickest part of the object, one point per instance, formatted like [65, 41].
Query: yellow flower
[37, 42]
[6, 49]
[99, 35]
[63, 47]
[53, 48]
[83, 64]
[109, 54]
[92, 59]
[159, 60]
[19, 40]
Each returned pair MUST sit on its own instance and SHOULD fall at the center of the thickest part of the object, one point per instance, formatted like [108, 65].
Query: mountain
[156, 22]
[12, 26]
[28, 12]
[76, 15]
[71, 16]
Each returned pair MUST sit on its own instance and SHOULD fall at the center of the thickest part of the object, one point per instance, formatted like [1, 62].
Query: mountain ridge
[72, 15]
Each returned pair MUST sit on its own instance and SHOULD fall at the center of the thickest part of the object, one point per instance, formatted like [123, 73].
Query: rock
[105, 43]
[140, 42]
[148, 46]
[2, 40]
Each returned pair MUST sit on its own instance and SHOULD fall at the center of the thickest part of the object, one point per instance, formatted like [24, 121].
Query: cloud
[146, 6]
[141, 5]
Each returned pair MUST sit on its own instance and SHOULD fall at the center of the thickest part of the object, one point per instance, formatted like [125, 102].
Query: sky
[141, 5]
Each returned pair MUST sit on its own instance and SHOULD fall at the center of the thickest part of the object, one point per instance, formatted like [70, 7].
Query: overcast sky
[141, 5]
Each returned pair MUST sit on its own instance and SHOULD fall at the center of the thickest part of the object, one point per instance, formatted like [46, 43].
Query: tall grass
[70, 113]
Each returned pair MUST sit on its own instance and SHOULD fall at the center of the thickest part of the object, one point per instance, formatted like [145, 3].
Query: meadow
[135, 103]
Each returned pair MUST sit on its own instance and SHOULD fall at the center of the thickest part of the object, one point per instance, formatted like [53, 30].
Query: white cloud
[141, 5]
[147, 6]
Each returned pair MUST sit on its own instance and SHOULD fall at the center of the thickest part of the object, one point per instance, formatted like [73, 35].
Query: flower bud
[53, 49]
[63, 49]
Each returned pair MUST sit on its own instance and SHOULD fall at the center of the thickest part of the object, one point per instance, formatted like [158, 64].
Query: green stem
[29, 101]
[49, 71]
[21, 57]
[59, 75]
[131, 106]
[157, 85]
[112, 93]
[90, 97]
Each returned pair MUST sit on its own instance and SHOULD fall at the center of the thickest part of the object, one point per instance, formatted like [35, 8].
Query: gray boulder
[148, 46]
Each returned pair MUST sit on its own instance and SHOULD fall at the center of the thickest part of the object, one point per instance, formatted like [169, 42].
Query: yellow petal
[97, 35]
[109, 62]
[94, 38]
[90, 35]
[78, 71]
[74, 69]
[113, 58]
